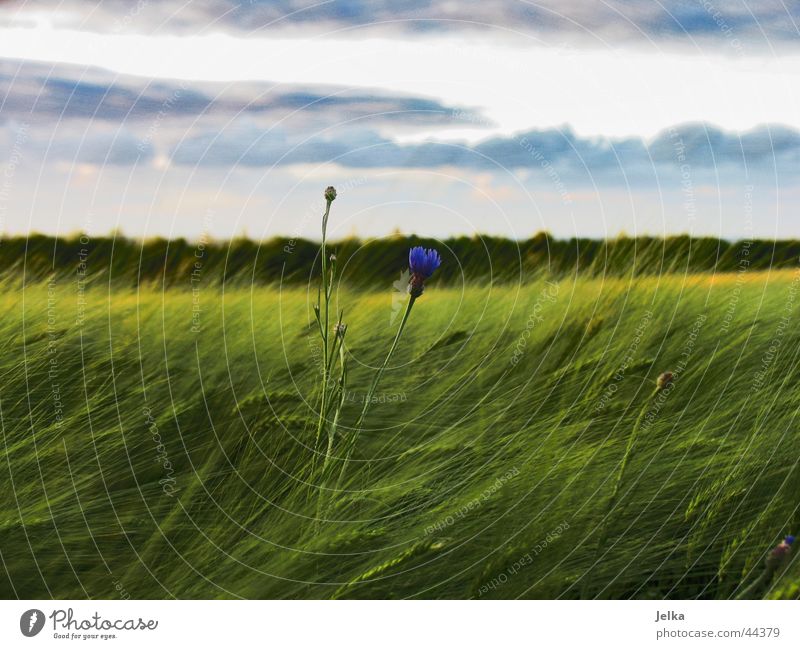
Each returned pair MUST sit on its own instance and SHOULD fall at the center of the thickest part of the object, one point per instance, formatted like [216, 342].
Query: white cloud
[597, 92]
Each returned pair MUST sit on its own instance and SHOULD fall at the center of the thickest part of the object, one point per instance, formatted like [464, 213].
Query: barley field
[159, 442]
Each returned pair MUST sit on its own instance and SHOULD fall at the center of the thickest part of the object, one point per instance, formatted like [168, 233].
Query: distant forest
[375, 262]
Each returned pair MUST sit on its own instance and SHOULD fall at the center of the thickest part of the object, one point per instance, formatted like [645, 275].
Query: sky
[210, 118]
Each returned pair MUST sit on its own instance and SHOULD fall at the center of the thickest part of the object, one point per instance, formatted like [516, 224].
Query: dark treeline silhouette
[376, 262]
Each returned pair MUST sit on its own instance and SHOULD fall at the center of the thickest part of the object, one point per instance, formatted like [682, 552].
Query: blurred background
[217, 118]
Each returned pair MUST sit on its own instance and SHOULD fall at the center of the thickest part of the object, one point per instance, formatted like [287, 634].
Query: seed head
[330, 194]
[664, 380]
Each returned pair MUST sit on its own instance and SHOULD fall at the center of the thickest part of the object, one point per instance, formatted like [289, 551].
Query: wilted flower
[776, 558]
[330, 194]
[780, 552]
[422, 263]
[340, 329]
[664, 380]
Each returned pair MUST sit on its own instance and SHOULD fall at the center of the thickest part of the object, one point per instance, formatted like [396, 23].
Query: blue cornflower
[421, 264]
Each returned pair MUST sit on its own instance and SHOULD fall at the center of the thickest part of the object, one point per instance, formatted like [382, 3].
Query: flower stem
[382, 368]
[323, 301]
[371, 392]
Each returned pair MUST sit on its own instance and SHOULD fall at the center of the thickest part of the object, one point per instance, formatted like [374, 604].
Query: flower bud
[330, 194]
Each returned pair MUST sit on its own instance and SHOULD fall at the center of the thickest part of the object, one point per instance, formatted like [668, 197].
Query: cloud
[705, 145]
[756, 21]
[701, 148]
[33, 91]
[95, 144]
[90, 115]
[117, 147]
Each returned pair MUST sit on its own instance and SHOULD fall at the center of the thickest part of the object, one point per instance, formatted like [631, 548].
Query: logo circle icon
[31, 622]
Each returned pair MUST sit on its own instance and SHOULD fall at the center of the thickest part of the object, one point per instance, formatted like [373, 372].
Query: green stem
[334, 425]
[336, 341]
[368, 399]
[382, 368]
[324, 299]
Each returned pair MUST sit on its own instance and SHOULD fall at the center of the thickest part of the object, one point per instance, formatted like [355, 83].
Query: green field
[158, 443]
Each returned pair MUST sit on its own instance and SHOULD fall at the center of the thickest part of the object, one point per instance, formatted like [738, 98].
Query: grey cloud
[117, 148]
[755, 21]
[707, 146]
[49, 95]
[92, 115]
[701, 146]
[38, 92]
[96, 146]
